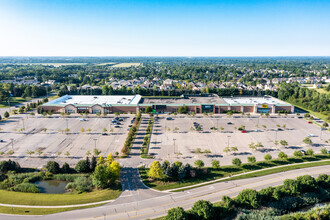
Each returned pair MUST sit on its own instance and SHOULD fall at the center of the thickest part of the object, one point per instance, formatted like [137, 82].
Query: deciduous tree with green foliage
[155, 171]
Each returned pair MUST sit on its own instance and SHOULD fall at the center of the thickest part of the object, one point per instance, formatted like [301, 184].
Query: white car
[311, 135]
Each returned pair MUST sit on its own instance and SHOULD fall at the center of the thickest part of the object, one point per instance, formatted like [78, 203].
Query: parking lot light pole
[95, 143]
[67, 123]
[275, 135]
[228, 141]
[174, 144]
[12, 143]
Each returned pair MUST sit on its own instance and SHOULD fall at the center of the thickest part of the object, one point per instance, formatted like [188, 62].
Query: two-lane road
[138, 202]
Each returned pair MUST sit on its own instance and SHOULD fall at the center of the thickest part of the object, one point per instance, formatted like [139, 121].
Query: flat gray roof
[91, 100]
[253, 100]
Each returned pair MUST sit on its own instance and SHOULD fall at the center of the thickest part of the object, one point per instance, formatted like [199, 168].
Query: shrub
[307, 183]
[203, 209]
[81, 184]
[82, 166]
[310, 152]
[248, 198]
[282, 155]
[66, 168]
[26, 187]
[297, 153]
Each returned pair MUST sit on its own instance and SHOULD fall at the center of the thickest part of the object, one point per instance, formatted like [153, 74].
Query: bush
[83, 166]
[176, 214]
[53, 167]
[282, 155]
[248, 198]
[66, 168]
[81, 184]
[324, 151]
[203, 209]
[310, 152]
[297, 153]
[26, 187]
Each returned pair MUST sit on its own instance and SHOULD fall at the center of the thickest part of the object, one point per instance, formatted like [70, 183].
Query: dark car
[229, 123]
[168, 118]
[117, 126]
[1, 141]
[121, 119]
[118, 123]
[104, 134]
[130, 126]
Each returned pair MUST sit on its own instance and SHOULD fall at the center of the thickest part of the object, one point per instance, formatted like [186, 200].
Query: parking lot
[50, 135]
[178, 139]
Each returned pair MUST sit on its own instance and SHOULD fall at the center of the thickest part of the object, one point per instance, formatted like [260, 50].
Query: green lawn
[20, 198]
[39, 211]
[13, 101]
[324, 117]
[225, 171]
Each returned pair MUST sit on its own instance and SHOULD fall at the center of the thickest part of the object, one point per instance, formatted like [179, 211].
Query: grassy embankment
[38, 211]
[41, 199]
[226, 171]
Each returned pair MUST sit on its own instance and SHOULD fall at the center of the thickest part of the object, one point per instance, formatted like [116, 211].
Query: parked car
[104, 134]
[168, 118]
[229, 123]
[117, 126]
[311, 135]
[83, 119]
[120, 119]
[303, 152]
[309, 122]
[243, 131]
[118, 123]
[130, 126]
[1, 141]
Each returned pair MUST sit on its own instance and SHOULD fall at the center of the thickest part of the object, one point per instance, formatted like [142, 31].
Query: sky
[164, 28]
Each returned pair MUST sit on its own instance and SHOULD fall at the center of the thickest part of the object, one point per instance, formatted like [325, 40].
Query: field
[13, 101]
[126, 64]
[176, 140]
[52, 64]
[48, 135]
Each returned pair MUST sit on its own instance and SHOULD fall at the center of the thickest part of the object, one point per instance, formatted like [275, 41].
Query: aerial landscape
[171, 110]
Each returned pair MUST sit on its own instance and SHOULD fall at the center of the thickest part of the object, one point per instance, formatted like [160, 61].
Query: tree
[155, 171]
[177, 213]
[100, 160]
[115, 171]
[248, 198]
[308, 141]
[236, 162]
[284, 143]
[282, 155]
[66, 168]
[39, 152]
[67, 154]
[226, 150]
[82, 130]
[29, 152]
[53, 167]
[215, 164]
[252, 159]
[101, 176]
[203, 209]
[310, 152]
[104, 130]
[96, 152]
[88, 153]
[6, 115]
[268, 157]
[297, 153]
[109, 159]
[324, 151]
[93, 163]
[325, 125]
[82, 166]
[199, 163]
[234, 149]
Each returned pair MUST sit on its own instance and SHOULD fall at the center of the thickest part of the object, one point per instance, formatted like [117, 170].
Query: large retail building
[194, 103]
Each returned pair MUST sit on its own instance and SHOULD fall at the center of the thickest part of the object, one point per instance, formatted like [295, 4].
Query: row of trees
[131, 134]
[292, 195]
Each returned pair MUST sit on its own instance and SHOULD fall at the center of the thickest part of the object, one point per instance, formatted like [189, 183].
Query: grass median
[39, 211]
[41, 199]
[225, 171]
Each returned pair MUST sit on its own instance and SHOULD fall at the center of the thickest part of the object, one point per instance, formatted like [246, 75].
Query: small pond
[52, 186]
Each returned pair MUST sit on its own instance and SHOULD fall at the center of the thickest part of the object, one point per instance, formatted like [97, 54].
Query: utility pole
[174, 144]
